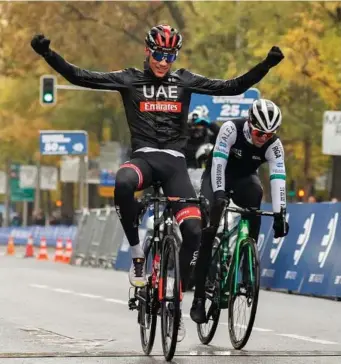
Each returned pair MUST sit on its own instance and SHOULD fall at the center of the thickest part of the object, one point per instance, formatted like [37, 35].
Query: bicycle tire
[147, 342]
[248, 242]
[169, 251]
[207, 338]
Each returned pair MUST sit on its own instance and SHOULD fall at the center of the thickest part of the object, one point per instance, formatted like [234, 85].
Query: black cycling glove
[40, 44]
[274, 56]
[280, 226]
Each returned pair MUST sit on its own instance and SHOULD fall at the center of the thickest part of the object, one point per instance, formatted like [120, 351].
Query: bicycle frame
[242, 229]
[167, 216]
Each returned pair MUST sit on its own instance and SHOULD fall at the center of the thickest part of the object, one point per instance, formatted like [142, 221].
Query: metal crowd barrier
[99, 235]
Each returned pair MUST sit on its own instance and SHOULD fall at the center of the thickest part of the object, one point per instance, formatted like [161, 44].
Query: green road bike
[233, 277]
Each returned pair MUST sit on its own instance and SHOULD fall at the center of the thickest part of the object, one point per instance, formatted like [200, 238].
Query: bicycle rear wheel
[148, 303]
[244, 283]
[169, 296]
[207, 330]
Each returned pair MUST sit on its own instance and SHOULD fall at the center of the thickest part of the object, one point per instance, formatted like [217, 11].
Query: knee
[191, 232]
[257, 195]
[126, 182]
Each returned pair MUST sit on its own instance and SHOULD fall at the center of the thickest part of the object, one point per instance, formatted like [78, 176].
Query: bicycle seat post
[157, 193]
[156, 187]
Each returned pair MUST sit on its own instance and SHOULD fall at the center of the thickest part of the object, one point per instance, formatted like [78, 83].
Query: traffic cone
[58, 257]
[10, 246]
[29, 248]
[68, 251]
[42, 250]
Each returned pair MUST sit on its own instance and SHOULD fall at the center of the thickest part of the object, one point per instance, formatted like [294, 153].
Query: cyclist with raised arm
[156, 102]
[242, 146]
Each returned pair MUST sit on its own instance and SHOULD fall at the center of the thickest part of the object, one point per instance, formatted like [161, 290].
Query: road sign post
[72, 143]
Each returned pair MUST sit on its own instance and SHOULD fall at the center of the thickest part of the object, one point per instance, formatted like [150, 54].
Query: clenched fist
[40, 44]
[274, 56]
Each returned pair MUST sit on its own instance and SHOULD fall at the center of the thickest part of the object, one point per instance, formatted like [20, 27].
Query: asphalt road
[55, 313]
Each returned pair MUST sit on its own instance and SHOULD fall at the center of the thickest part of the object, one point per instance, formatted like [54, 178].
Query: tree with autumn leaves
[221, 39]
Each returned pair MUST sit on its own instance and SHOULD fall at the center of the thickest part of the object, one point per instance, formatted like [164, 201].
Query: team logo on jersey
[160, 106]
[164, 92]
[237, 152]
[219, 177]
[277, 151]
[256, 157]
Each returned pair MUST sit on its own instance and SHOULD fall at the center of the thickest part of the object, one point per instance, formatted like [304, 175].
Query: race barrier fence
[307, 261]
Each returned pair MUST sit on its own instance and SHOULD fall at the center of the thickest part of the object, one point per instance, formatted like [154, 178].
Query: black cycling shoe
[197, 312]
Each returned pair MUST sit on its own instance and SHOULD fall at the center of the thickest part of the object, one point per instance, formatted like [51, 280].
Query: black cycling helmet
[164, 37]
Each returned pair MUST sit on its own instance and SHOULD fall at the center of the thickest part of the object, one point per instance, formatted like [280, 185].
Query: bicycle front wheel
[148, 303]
[244, 280]
[169, 296]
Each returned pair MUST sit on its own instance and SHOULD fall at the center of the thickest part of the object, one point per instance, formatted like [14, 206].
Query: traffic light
[301, 194]
[48, 95]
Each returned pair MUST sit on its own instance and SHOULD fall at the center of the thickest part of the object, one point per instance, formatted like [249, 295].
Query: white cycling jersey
[234, 155]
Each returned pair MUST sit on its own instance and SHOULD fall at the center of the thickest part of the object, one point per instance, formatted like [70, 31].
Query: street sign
[222, 108]
[331, 133]
[63, 142]
[17, 193]
[107, 178]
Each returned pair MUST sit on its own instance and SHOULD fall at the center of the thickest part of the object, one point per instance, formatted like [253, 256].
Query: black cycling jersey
[156, 109]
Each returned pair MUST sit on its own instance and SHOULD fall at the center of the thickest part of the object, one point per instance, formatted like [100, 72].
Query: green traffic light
[48, 97]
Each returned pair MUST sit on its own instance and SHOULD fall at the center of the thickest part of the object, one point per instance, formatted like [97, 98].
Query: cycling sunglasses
[259, 133]
[160, 55]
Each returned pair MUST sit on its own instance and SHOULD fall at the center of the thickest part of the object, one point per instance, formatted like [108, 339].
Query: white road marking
[121, 302]
[254, 328]
[39, 286]
[114, 300]
[310, 339]
[88, 295]
[61, 290]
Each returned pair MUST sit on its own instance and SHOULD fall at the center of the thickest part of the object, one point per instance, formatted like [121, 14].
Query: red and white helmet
[164, 37]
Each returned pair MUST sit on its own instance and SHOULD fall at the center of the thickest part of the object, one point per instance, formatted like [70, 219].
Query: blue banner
[222, 108]
[305, 261]
[60, 142]
[50, 233]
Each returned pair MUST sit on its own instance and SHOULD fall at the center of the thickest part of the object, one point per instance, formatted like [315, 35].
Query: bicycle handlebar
[250, 211]
[201, 200]
[166, 199]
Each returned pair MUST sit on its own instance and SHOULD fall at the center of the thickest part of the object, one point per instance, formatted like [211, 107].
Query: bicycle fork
[243, 233]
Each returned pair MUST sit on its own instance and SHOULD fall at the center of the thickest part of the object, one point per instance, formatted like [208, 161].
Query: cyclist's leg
[248, 192]
[197, 312]
[188, 217]
[176, 182]
[132, 176]
[207, 238]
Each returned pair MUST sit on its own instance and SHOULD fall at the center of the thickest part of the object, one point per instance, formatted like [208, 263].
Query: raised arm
[74, 74]
[236, 86]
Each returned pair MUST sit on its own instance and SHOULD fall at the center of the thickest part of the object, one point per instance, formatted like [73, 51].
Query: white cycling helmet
[265, 115]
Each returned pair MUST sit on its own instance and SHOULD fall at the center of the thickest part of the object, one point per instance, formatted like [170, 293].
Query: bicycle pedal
[132, 304]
